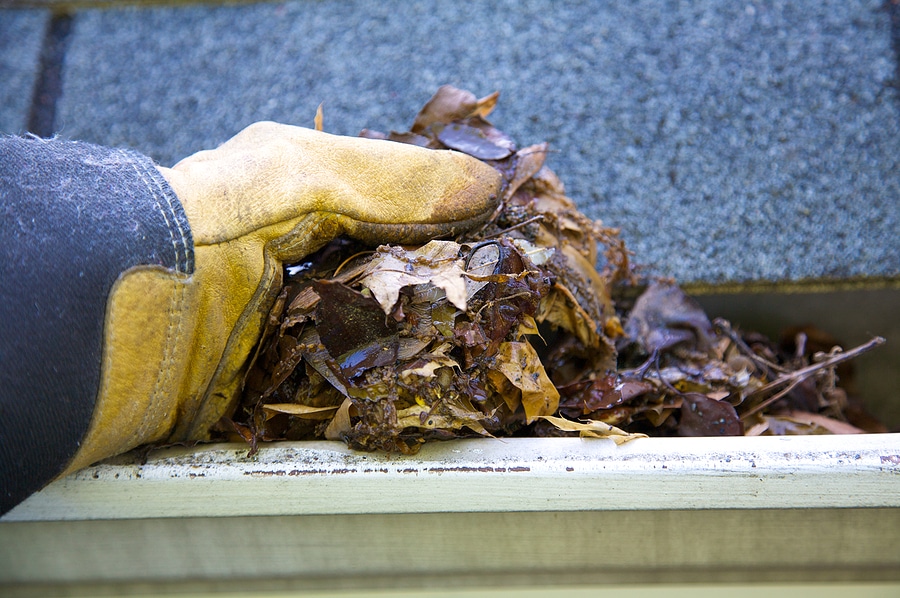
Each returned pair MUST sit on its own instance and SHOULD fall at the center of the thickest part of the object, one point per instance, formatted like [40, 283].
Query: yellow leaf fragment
[340, 425]
[537, 254]
[519, 363]
[434, 363]
[421, 416]
[593, 429]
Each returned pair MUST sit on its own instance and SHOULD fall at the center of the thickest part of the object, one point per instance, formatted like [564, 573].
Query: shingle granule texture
[731, 142]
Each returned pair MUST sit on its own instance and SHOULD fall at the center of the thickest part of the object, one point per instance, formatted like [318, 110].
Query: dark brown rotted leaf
[664, 316]
[349, 321]
[412, 139]
[291, 355]
[702, 416]
[375, 354]
[581, 398]
[631, 388]
[473, 141]
[506, 301]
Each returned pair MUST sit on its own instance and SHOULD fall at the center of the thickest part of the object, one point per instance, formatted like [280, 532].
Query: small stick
[797, 375]
[767, 365]
[515, 226]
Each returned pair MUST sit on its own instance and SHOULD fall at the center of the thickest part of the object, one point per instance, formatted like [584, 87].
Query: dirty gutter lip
[480, 475]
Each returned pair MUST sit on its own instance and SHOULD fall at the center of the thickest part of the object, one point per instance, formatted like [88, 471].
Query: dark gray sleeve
[73, 217]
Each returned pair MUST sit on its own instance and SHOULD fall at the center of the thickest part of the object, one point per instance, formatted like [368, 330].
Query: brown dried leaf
[529, 160]
[319, 119]
[340, 425]
[802, 422]
[446, 105]
[484, 106]
[581, 398]
[560, 308]
[702, 416]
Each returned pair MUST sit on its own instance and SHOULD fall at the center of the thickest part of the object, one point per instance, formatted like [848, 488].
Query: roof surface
[731, 142]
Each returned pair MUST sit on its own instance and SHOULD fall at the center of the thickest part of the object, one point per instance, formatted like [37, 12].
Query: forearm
[74, 218]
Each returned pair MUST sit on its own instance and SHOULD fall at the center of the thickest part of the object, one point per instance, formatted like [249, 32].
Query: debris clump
[536, 324]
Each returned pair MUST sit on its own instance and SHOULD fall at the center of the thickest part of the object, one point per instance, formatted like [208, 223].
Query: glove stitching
[161, 392]
[184, 263]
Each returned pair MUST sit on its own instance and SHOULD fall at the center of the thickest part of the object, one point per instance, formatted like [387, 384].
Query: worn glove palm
[176, 346]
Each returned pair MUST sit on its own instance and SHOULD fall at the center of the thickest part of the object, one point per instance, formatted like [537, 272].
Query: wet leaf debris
[537, 324]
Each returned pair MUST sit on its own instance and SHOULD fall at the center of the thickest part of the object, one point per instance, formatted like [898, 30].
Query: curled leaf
[302, 411]
[340, 425]
[664, 316]
[593, 429]
[446, 105]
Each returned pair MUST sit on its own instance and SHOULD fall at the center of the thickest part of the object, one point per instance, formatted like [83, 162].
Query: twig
[725, 326]
[537, 218]
[795, 377]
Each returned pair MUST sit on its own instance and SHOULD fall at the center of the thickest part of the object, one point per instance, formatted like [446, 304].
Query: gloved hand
[176, 346]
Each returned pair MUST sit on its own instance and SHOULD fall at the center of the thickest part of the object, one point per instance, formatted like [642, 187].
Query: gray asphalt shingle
[21, 34]
[730, 141]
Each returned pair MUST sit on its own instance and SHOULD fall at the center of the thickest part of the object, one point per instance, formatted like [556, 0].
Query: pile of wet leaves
[537, 324]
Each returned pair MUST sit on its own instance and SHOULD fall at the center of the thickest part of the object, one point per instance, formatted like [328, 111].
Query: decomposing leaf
[587, 396]
[436, 263]
[703, 416]
[353, 328]
[664, 316]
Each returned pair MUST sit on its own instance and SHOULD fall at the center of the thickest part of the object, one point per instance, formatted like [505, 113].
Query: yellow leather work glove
[176, 346]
